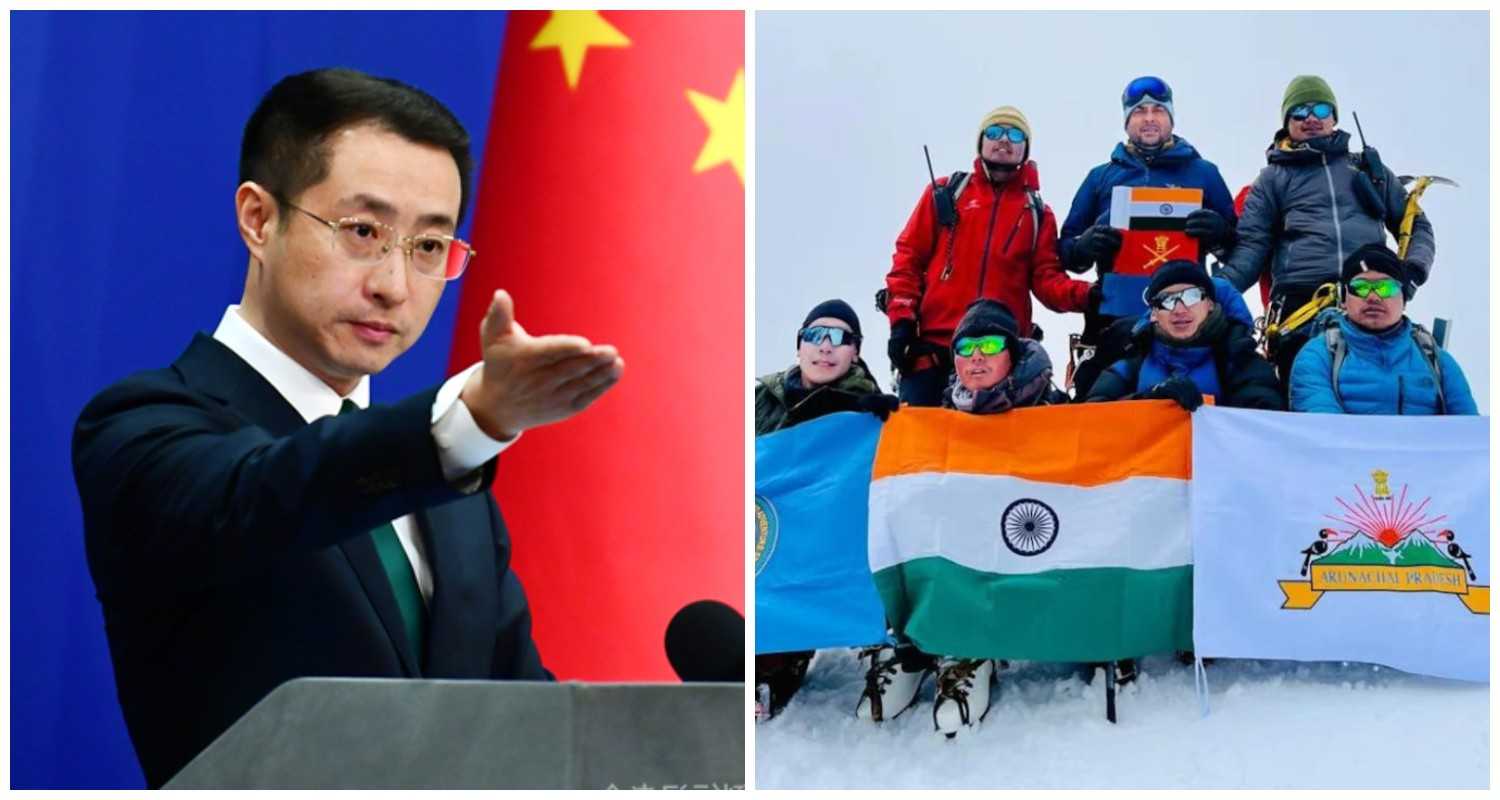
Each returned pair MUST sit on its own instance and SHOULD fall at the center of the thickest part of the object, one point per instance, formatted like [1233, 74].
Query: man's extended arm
[1253, 236]
[1049, 283]
[175, 485]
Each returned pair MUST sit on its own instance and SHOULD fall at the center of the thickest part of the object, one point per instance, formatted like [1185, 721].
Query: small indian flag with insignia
[1056, 534]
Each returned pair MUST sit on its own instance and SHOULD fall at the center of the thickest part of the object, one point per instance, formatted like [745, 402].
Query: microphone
[706, 642]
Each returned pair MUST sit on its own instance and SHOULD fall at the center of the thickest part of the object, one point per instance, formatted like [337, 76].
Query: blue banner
[1122, 295]
[813, 586]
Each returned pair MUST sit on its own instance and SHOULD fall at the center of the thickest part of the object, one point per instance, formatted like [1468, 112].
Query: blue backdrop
[125, 131]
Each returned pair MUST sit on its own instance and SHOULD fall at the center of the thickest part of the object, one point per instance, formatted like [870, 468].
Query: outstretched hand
[527, 381]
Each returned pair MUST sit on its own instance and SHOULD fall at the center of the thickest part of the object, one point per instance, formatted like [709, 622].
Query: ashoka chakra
[1028, 527]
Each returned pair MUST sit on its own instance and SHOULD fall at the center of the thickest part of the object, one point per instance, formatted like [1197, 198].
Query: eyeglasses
[838, 337]
[987, 345]
[997, 132]
[433, 255]
[1385, 287]
[1319, 110]
[1190, 296]
[1143, 87]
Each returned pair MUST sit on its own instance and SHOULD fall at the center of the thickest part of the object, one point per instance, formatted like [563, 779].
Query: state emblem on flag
[765, 532]
[1384, 543]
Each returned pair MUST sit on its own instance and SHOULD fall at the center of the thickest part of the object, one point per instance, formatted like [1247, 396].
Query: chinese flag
[611, 204]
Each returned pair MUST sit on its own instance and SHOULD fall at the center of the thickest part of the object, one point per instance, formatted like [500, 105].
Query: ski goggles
[1148, 86]
[1386, 288]
[986, 345]
[838, 337]
[1190, 296]
[1319, 110]
[997, 132]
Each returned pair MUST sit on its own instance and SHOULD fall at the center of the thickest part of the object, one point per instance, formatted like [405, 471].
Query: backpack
[1333, 338]
[955, 187]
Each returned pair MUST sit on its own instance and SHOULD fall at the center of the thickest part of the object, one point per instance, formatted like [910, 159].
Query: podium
[337, 733]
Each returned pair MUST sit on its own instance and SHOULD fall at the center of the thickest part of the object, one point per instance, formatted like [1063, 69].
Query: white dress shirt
[462, 446]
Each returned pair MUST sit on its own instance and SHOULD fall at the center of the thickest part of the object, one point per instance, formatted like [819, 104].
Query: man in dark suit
[249, 520]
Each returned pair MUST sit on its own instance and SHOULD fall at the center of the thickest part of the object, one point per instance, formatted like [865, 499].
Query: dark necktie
[399, 571]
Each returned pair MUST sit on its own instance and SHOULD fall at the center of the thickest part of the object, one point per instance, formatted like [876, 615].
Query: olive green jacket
[772, 412]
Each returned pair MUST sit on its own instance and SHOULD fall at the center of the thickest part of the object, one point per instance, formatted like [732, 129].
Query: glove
[1209, 227]
[1097, 245]
[1179, 389]
[903, 335]
[881, 405]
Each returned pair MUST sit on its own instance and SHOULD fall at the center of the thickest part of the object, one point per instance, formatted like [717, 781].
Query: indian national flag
[1053, 534]
[1152, 208]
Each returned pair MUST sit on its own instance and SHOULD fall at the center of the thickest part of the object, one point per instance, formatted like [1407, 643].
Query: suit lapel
[461, 553]
[360, 550]
[213, 369]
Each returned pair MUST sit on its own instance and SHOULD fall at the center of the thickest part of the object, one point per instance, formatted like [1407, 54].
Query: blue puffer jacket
[1178, 166]
[1383, 373]
[1164, 361]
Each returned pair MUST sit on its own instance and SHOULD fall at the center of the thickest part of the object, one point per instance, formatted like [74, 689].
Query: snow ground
[1272, 724]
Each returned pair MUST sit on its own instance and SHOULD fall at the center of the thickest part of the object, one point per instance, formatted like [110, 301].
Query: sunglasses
[987, 345]
[1148, 86]
[1385, 287]
[838, 337]
[1319, 110]
[997, 132]
[1191, 296]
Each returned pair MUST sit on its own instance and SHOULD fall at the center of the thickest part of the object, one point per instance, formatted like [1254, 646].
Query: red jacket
[992, 256]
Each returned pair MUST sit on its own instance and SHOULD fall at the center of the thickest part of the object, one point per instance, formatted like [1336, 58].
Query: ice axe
[1409, 217]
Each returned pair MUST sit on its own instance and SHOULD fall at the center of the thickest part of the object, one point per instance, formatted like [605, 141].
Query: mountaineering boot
[777, 678]
[892, 680]
[1186, 657]
[963, 695]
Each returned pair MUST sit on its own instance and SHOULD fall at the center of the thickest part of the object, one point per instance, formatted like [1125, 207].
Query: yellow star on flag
[573, 33]
[726, 127]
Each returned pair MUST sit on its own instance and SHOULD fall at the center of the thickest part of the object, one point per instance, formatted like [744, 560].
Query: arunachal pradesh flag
[1361, 538]
[1057, 533]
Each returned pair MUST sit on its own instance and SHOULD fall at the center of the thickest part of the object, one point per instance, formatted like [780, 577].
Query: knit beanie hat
[985, 317]
[1175, 272]
[837, 309]
[1307, 89]
[1377, 258]
[1146, 97]
[1005, 115]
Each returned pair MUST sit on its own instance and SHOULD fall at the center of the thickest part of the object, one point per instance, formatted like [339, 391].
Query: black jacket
[1245, 379]
[229, 545]
[1304, 215]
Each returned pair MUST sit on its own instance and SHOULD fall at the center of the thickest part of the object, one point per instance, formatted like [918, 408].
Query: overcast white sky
[844, 102]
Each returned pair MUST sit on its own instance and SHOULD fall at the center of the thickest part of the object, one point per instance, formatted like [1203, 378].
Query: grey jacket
[1304, 216]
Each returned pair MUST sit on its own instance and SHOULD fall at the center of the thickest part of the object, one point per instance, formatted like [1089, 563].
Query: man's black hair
[285, 146]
